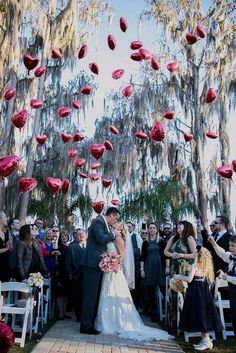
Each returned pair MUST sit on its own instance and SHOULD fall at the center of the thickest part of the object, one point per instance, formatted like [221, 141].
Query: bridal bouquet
[35, 280]
[110, 262]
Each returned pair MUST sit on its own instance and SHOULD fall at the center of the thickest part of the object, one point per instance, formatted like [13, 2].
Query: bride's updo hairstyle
[124, 231]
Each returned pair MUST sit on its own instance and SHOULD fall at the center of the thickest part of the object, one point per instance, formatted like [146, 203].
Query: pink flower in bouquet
[110, 262]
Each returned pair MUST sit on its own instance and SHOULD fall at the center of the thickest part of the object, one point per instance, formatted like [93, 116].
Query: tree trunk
[197, 153]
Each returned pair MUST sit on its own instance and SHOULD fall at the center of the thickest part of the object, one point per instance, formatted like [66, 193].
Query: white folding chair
[47, 299]
[187, 335]
[11, 308]
[159, 298]
[222, 304]
[167, 297]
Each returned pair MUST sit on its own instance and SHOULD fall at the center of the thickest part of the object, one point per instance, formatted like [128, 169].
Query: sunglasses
[33, 227]
[144, 232]
[166, 228]
[55, 230]
[218, 223]
[212, 225]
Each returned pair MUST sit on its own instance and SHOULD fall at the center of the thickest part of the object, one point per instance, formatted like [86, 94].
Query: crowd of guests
[158, 253]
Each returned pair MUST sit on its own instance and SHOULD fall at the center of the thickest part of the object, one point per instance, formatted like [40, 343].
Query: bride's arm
[120, 245]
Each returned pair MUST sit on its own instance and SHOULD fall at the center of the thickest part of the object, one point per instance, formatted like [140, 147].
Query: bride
[116, 311]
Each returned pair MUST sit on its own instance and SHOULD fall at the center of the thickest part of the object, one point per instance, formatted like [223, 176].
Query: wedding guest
[63, 282]
[50, 251]
[5, 248]
[29, 257]
[136, 243]
[181, 249]
[74, 257]
[40, 224]
[14, 228]
[152, 267]
[230, 275]
[199, 312]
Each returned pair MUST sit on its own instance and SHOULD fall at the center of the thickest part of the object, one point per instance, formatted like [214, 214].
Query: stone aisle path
[64, 337]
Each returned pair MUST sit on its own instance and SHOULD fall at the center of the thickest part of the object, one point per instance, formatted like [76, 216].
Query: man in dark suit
[99, 234]
[136, 250]
[221, 236]
[74, 257]
[14, 228]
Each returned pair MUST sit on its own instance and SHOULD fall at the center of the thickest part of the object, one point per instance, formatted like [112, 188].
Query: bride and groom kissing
[107, 303]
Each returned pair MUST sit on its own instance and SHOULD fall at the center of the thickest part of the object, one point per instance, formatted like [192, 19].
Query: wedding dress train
[117, 313]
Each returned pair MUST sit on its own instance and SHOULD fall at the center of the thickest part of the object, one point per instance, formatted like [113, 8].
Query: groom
[99, 234]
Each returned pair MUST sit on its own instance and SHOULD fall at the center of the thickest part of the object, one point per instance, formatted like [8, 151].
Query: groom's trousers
[91, 289]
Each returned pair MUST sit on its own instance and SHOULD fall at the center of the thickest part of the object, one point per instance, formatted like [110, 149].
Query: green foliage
[168, 198]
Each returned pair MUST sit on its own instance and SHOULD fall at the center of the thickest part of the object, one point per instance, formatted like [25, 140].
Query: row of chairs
[22, 310]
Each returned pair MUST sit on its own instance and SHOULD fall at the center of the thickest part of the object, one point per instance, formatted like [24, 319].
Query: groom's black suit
[98, 236]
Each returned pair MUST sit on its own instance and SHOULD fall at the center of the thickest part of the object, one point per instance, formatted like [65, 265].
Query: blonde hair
[124, 231]
[204, 264]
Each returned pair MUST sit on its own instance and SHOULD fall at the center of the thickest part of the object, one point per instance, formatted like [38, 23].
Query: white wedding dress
[117, 313]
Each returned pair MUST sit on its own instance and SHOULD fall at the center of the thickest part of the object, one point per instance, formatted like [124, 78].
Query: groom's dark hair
[111, 210]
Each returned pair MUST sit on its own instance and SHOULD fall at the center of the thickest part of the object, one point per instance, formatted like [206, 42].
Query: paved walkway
[64, 337]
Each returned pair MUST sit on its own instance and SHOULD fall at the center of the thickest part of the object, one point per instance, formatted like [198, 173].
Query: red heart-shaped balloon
[106, 182]
[111, 42]
[136, 57]
[188, 137]
[200, 31]
[72, 153]
[8, 165]
[62, 112]
[157, 133]
[97, 150]
[30, 62]
[123, 24]
[36, 103]
[98, 206]
[66, 137]
[172, 67]
[127, 91]
[65, 186]
[9, 93]
[83, 175]
[56, 54]
[39, 71]
[94, 68]
[76, 104]
[27, 184]
[95, 165]
[94, 176]
[79, 162]
[19, 119]
[211, 134]
[154, 64]
[145, 54]
[83, 51]
[41, 139]
[234, 165]
[108, 145]
[210, 95]
[169, 114]
[191, 38]
[135, 45]
[114, 130]
[78, 137]
[225, 171]
[115, 202]
[117, 74]
[53, 184]
[86, 90]
[141, 135]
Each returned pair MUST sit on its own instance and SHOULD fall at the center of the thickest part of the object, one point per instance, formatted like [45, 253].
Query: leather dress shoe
[90, 331]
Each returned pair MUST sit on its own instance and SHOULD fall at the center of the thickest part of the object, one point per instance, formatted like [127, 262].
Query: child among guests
[230, 276]
[199, 312]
